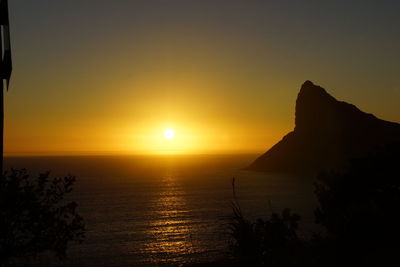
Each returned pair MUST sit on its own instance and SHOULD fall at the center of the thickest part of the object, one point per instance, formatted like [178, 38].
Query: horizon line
[123, 153]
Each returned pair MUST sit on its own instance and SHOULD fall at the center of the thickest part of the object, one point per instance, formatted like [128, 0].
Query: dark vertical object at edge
[1, 126]
[5, 67]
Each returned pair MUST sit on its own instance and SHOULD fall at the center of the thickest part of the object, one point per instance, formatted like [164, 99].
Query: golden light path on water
[170, 231]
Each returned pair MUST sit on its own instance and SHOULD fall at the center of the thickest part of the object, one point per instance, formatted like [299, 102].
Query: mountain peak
[309, 88]
[313, 106]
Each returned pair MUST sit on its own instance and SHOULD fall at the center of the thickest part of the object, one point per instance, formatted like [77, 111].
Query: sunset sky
[109, 77]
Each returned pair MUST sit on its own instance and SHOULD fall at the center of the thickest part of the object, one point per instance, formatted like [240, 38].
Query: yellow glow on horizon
[148, 136]
[165, 103]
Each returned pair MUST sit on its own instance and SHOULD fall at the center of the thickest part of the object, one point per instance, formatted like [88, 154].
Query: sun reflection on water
[170, 230]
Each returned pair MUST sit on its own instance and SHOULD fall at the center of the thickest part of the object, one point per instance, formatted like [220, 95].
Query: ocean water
[167, 210]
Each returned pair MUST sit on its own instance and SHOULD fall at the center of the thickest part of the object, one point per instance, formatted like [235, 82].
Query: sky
[108, 77]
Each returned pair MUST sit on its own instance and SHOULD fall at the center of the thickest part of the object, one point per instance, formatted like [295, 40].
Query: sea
[167, 210]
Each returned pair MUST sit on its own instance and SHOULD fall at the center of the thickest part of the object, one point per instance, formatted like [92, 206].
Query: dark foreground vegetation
[35, 217]
[359, 207]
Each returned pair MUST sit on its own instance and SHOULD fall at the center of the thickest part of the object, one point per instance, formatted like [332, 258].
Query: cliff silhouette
[327, 134]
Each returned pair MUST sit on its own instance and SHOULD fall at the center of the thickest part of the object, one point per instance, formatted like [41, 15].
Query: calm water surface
[167, 210]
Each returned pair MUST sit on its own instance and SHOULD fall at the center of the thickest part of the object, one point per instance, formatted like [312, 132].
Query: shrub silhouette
[361, 205]
[265, 242]
[34, 217]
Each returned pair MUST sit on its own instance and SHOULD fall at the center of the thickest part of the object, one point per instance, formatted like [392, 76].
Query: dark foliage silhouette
[359, 206]
[35, 217]
[362, 204]
[266, 242]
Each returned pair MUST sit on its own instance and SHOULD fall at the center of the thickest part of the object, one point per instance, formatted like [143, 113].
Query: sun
[169, 133]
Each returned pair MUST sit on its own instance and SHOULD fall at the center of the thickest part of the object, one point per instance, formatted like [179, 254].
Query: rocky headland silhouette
[327, 134]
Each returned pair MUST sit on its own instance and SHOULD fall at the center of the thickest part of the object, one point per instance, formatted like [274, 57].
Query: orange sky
[224, 76]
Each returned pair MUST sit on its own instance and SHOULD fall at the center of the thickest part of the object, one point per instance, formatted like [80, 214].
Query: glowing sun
[169, 134]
